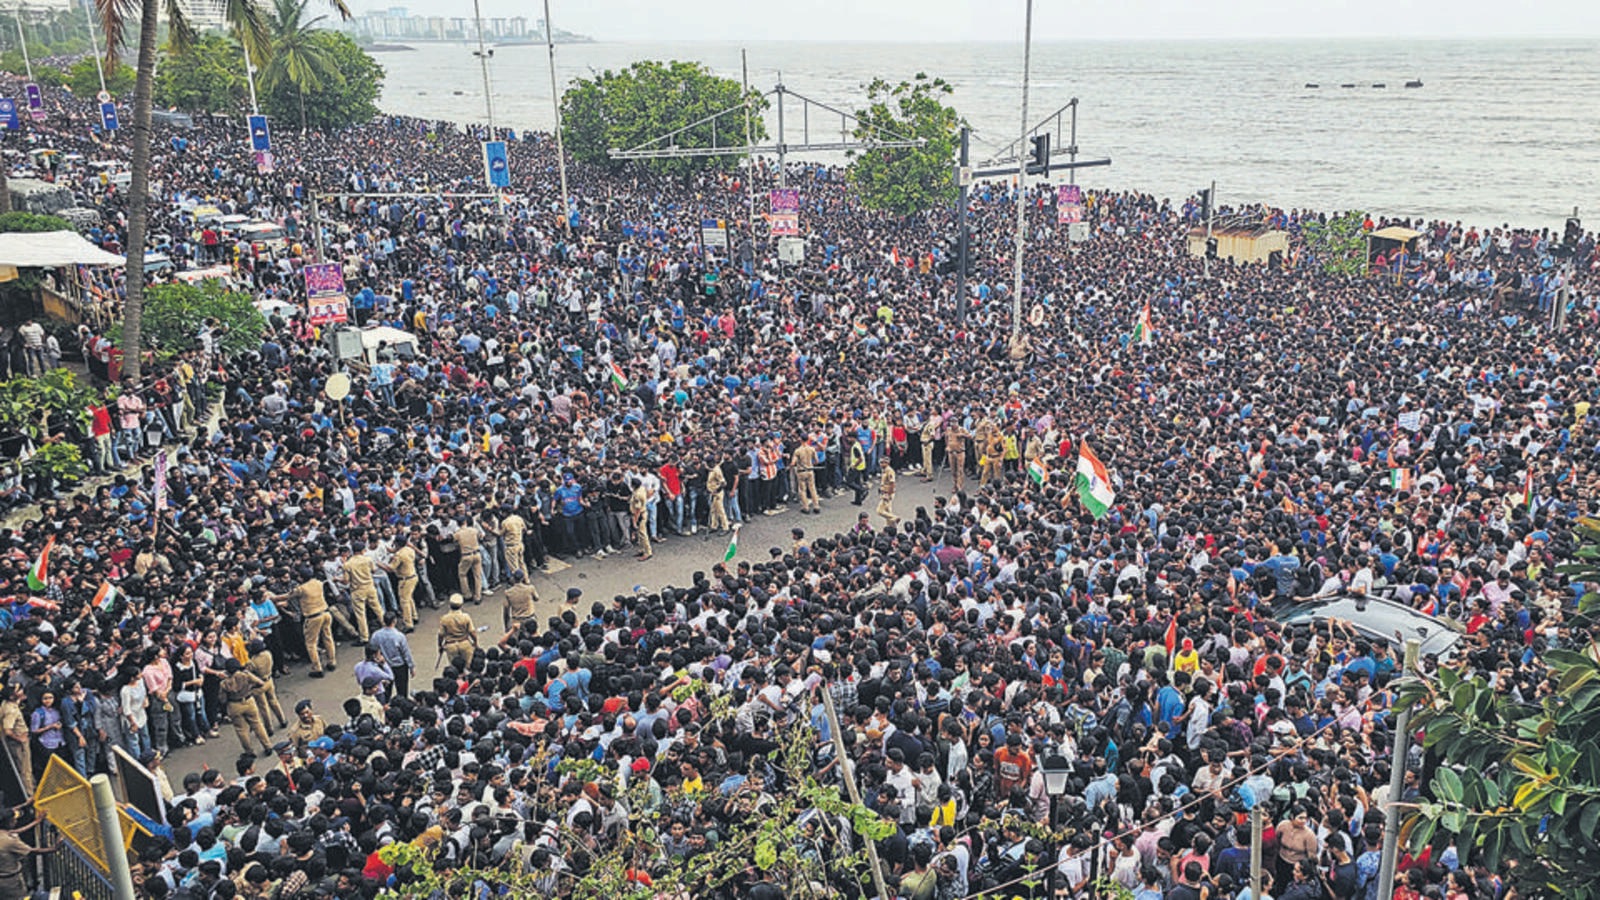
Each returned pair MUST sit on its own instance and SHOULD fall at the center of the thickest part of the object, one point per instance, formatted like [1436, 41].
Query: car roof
[1377, 618]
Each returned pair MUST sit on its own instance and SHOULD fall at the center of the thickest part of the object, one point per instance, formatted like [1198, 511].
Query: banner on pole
[8, 114]
[496, 166]
[326, 303]
[784, 216]
[1069, 204]
[35, 101]
[161, 481]
[260, 137]
[714, 233]
[264, 162]
[108, 116]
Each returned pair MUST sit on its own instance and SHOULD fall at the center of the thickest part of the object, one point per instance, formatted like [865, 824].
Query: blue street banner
[8, 114]
[35, 101]
[108, 116]
[260, 137]
[496, 164]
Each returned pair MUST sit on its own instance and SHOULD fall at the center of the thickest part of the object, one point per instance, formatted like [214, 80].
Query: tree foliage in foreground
[207, 77]
[1518, 788]
[173, 314]
[907, 180]
[1339, 245]
[623, 109]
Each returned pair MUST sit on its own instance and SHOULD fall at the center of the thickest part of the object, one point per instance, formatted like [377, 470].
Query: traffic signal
[1039, 161]
[1573, 235]
[1205, 203]
[1211, 248]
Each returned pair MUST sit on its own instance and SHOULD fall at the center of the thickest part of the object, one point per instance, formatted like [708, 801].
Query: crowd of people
[589, 380]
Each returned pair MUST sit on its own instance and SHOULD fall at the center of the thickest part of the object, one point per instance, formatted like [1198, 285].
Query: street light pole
[1022, 182]
[488, 109]
[964, 176]
[1399, 749]
[555, 105]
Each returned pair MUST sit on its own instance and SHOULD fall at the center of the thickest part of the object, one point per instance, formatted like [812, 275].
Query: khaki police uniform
[470, 568]
[457, 637]
[238, 694]
[359, 572]
[405, 568]
[804, 462]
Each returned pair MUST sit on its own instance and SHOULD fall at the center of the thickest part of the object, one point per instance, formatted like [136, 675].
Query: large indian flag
[1094, 484]
[1144, 329]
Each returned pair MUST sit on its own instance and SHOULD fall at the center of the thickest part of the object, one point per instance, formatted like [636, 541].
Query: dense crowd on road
[590, 380]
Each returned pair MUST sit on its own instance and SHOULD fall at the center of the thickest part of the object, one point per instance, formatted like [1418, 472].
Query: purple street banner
[784, 218]
[35, 101]
[326, 303]
[1069, 204]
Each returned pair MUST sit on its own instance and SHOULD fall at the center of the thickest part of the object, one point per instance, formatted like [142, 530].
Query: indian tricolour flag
[1400, 479]
[733, 546]
[39, 573]
[1094, 484]
[1038, 471]
[1143, 330]
[619, 380]
[107, 596]
[1527, 491]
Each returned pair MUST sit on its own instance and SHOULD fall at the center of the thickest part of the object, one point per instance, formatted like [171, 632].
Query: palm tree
[116, 17]
[297, 54]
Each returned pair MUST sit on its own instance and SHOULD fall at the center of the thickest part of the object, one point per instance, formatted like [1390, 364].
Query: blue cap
[322, 743]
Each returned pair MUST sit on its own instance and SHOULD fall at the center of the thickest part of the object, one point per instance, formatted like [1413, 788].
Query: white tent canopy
[49, 249]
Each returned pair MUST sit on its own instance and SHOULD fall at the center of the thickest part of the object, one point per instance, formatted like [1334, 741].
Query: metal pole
[250, 78]
[105, 808]
[488, 105]
[1397, 782]
[1022, 181]
[847, 773]
[749, 158]
[316, 227]
[783, 168]
[23, 38]
[94, 44]
[961, 232]
[1211, 214]
[1072, 147]
[1257, 828]
[555, 103]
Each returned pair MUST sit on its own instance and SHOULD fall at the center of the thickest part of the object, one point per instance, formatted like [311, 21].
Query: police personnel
[470, 568]
[359, 572]
[238, 696]
[804, 462]
[318, 621]
[307, 727]
[404, 564]
[266, 696]
[520, 598]
[457, 636]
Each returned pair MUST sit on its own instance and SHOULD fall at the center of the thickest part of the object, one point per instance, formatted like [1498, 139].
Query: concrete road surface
[676, 559]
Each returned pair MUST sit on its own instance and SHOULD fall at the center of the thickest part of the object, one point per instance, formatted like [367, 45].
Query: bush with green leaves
[173, 314]
[1339, 245]
[18, 221]
[907, 180]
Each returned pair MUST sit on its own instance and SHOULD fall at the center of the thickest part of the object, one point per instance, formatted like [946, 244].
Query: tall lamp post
[1057, 775]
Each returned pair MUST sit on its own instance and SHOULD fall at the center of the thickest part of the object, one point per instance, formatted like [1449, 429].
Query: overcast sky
[1001, 20]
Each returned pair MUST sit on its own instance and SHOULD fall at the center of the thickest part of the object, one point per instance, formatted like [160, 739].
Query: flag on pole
[733, 546]
[107, 596]
[1038, 471]
[1143, 330]
[619, 380]
[1527, 492]
[1400, 479]
[1171, 639]
[39, 574]
[1094, 483]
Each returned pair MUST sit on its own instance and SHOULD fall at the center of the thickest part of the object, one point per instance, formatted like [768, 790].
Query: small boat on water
[1313, 85]
[1380, 85]
[1350, 85]
[459, 93]
[1414, 83]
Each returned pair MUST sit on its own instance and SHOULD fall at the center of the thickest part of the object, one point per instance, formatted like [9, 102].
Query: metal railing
[68, 869]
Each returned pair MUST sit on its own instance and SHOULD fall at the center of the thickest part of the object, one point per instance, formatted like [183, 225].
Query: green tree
[173, 314]
[1339, 245]
[348, 94]
[1519, 784]
[206, 77]
[83, 78]
[646, 101]
[300, 56]
[906, 180]
[26, 221]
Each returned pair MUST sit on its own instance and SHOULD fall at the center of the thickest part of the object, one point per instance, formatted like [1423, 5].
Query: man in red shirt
[105, 450]
[672, 492]
[1014, 766]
